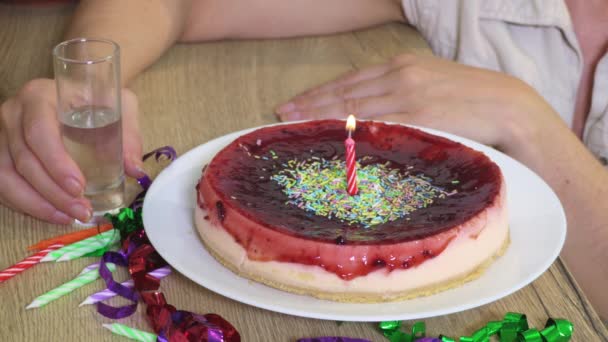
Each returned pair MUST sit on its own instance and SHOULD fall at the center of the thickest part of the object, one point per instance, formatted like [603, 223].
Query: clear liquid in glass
[93, 138]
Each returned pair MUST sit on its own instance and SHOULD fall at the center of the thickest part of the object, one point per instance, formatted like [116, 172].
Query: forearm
[222, 19]
[581, 183]
[144, 29]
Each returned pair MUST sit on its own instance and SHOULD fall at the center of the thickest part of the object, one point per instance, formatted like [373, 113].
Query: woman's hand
[486, 106]
[37, 176]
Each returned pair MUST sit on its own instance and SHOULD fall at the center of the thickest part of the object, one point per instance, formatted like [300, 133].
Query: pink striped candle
[26, 263]
[351, 162]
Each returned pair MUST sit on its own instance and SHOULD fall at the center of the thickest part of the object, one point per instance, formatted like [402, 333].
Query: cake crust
[348, 297]
[313, 280]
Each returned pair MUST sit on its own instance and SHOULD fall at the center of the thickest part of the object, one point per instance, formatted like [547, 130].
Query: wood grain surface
[193, 94]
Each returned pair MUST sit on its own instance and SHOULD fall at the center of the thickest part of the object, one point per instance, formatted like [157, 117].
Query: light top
[351, 123]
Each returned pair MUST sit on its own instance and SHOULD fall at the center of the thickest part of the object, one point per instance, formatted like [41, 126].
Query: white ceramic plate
[537, 223]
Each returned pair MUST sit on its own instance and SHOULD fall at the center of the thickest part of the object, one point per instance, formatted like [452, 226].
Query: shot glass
[87, 74]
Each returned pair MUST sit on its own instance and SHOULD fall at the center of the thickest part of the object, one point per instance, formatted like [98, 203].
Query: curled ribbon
[170, 324]
[391, 330]
[162, 153]
[332, 339]
[513, 328]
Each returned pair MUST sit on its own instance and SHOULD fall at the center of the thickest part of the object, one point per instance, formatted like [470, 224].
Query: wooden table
[193, 94]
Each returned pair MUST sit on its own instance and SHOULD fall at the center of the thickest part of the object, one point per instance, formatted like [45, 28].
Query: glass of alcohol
[87, 74]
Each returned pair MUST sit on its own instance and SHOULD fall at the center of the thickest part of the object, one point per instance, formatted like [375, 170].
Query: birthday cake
[429, 213]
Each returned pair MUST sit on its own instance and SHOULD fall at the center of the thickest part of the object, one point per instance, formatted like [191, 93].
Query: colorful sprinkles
[319, 186]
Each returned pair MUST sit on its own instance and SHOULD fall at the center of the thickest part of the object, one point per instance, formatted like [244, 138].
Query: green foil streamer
[508, 331]
[531, 335]
[391, 331]
[518, 318]
[418, 330]
[557, 330]
[388, 327]
[513, 328]
[494, 327]
[126, 221]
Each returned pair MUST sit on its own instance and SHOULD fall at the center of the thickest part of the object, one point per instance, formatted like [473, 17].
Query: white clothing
[533, 40]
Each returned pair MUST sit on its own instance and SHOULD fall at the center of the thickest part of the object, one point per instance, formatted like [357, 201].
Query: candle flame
[351, 123]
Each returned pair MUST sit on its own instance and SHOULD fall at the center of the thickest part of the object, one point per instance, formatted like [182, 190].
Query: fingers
[42, 135]
[17, 193]
[132, 141]
[347, 94]
[396, 90]
[31, 140]
[366, 107]
[364, 99]
[3, 201]
[349, 78]
[32, 170]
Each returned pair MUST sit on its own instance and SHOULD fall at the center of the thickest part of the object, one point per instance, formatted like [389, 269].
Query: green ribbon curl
[127, 221]
[391, 331]
[513, 328]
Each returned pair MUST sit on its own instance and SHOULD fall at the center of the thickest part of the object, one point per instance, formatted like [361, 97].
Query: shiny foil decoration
[167, 322]
[170, 324]
[332, 339]
[513, 328]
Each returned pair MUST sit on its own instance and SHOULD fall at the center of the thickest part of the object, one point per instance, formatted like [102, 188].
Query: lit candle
[351, 164]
